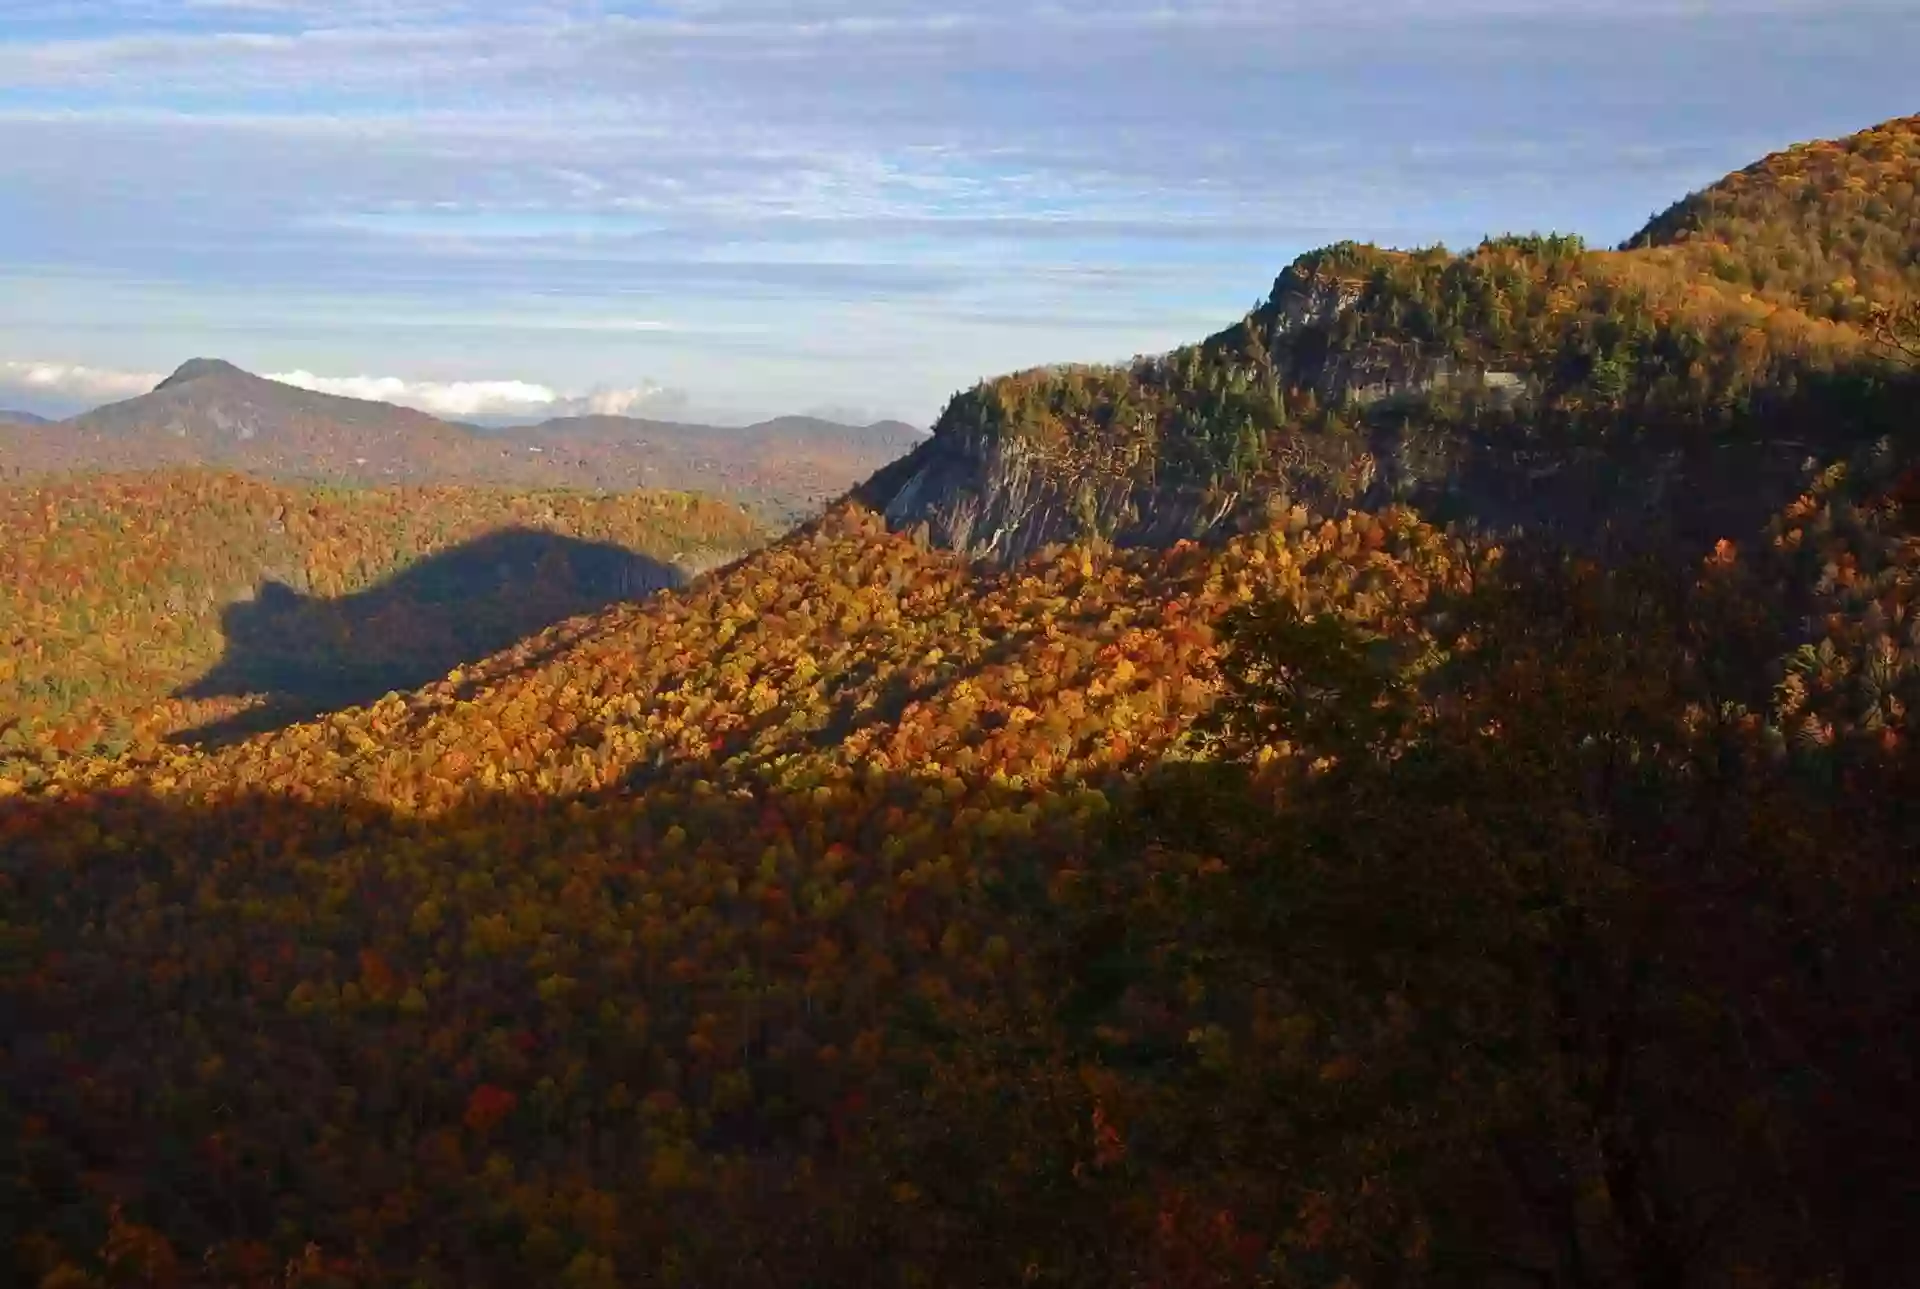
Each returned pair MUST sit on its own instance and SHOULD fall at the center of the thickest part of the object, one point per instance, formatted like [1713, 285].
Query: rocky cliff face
[1305, 307]
[997, 498]
[994, 501]
[994, 495]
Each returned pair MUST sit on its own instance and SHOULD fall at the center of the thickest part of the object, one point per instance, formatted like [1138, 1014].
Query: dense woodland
[1353, 902]
[1830, 226]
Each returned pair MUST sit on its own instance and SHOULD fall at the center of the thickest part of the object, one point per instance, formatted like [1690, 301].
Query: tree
[1896, 331]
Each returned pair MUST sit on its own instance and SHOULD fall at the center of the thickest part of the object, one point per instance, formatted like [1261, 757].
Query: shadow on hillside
[94, 1045]
[1649, 485]
[310, 655]
[117, 1083]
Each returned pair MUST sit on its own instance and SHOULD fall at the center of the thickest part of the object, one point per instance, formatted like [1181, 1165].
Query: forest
[1351, 900]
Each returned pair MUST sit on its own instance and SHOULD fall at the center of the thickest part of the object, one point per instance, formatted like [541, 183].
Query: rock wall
[996, 497]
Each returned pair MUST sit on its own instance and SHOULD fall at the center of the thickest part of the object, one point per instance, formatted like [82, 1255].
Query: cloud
[484, 397]
[868, 201]
[73, 383]
[620, 402]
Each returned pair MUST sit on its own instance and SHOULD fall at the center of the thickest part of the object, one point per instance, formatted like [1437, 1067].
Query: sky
[727, 209]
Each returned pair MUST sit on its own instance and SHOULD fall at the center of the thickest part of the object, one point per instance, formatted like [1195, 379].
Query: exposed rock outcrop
[985, 488]
[1306, 305]
[996, 498]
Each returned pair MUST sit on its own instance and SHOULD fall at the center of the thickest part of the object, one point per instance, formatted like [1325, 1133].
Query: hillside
[1342, 901]
[732, 932]
[1648, 394]
[210, 413]
[1829, 227]
[132, 607]
[21, 418]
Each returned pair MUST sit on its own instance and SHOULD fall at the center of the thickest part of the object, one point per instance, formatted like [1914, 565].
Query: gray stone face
[1382, 373]
[995, 501]
[1317, 302]
[994, 498]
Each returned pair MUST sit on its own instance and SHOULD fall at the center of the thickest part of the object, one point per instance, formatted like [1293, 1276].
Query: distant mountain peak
[198, 368]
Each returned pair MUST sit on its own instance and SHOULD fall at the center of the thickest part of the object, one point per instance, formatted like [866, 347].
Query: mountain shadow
[310, 654]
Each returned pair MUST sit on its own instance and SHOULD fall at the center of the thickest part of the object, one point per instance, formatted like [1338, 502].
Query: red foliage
[488, 1105]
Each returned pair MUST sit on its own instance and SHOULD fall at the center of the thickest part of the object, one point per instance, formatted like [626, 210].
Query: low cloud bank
[491, 398]
[71, 383]
[69, 386]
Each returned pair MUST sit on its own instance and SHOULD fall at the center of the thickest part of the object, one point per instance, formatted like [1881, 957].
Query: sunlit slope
[636, 896]
[843, 645]
[115, 592]
[1831, 226]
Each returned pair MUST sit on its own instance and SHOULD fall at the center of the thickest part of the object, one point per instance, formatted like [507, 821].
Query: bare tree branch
[1895, 330]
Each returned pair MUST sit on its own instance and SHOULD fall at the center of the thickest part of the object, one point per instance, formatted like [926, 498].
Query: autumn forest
[1414, 789]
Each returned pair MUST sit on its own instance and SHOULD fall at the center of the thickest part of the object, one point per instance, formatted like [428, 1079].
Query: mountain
[21, 418]
[1348, 899]
[814, 460]
[1671, 390]
[211, 413]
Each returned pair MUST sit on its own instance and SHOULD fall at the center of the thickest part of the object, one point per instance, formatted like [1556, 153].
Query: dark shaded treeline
[1538, 979]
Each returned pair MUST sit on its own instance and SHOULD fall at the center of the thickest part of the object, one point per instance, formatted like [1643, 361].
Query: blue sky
[734, 208]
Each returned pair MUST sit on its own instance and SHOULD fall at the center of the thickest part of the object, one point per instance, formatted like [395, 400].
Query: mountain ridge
[200, 369]
[211, 413]
[1828, 225]
[1651, 393]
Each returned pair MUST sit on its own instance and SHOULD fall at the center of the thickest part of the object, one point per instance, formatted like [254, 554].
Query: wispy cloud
[864, 201]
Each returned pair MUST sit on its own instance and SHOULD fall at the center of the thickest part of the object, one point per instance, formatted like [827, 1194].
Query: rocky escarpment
[997, 499]
[1000, 498]
[1520, 387]
[1302, 325]
[981, 487]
